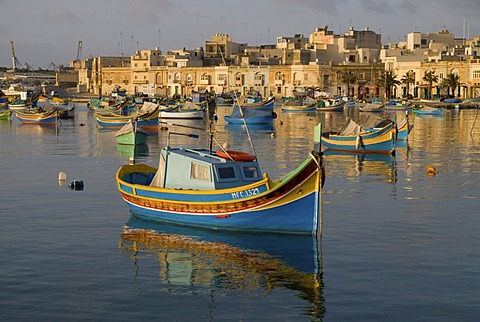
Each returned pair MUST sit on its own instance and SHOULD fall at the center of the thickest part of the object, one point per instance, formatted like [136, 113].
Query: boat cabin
[198, 169]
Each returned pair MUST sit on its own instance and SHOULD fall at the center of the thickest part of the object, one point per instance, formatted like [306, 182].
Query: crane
[79, 50]
[15, 61]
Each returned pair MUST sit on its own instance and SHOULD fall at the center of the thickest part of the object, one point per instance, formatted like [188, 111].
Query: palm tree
[452, 81]
[407, 79]
[430, 78]
[349, 78]
[388, 79]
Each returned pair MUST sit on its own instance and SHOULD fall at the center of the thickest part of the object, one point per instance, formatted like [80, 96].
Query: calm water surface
[397, 244]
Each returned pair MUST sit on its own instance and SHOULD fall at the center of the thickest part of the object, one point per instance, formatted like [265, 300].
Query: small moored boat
[131, 134]
[224, 190]
[38, 116]
[5, 114]
[356, 139]
[428, 110]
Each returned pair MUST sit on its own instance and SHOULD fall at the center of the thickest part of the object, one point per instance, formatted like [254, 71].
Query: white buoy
[225, 146]
[62, 178]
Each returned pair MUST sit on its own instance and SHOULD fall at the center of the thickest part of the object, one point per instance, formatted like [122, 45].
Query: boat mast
[240, 109]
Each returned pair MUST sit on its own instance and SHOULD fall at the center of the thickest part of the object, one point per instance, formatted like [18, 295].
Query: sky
[48, 31]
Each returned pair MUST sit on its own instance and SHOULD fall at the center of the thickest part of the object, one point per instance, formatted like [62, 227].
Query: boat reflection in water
[251, 127]
[229, 260]
[381, 166]
[132, 151]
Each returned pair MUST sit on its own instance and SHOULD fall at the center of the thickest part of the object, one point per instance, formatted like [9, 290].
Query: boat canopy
[198, 169]
[351, 128]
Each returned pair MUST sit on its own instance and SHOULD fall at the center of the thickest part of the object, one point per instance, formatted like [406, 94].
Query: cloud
[64, 16]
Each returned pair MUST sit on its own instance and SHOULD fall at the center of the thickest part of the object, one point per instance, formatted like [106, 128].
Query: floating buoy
[215, 117]
[225, 146]
[76, 185]
[272, 135]
[431, 171]
[281, 122]
[82, 124]
[62, 178]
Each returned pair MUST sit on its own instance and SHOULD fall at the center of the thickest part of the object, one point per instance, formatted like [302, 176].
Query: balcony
[204, 82]
[279, 82]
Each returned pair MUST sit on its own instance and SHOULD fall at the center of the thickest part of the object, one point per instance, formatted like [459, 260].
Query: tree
[407, 79]
[348, 77]
[430, 78]
[388, 80]
[452, 81]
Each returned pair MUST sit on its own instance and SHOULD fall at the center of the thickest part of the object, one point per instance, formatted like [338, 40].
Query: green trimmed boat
[5, 114]
[131, 134]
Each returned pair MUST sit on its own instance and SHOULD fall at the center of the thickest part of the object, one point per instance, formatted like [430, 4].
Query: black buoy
[76, 185]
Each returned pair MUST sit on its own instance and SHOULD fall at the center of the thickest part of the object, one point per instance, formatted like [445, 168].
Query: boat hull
[148, 120]
[296, 109]
[48, 118]
[382, 141]
[132, 138]
[182, 114]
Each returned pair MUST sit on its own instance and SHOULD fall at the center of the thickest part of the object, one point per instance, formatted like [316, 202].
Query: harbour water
[397, 245]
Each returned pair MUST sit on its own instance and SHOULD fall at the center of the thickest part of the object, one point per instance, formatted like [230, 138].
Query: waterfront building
[291, 65]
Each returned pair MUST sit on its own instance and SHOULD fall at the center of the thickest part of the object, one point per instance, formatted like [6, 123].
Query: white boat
[188, 110]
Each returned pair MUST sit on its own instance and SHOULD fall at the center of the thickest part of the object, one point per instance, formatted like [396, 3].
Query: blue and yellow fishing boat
[300, 108]
[225, 190]
[355, 139]
[38, 116]
[148, 120]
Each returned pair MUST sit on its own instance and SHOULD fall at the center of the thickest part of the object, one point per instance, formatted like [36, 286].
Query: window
[476, 74]
[199, 171]
[250, 172]
[226, 173]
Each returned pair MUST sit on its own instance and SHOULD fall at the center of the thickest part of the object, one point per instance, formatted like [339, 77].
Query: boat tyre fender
[235, 155]
[274, 115]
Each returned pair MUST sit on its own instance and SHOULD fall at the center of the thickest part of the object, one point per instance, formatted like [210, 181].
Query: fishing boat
[5, 114]
[398, 105]
[187, 110]
[255, 113]
[374, 123]
[19, 104]
[403, 129]
[428, 110]
[224, 190]
[131, 134]
[300, 108]
[331, 106]
[38, 116]
[371, 107]
[148, 119]
[355, 139]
